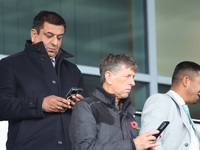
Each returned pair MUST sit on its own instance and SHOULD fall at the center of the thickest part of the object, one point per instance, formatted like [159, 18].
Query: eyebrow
[53, 34]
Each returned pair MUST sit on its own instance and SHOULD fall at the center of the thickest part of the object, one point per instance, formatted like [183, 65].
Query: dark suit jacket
[25, 79]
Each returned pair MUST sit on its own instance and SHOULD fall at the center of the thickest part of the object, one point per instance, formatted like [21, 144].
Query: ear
[186, 81]
[33, 35]
[108, 77]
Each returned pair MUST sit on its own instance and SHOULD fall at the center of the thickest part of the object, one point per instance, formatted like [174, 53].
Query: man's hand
[54, 103]
[146, 141]
[75, 98]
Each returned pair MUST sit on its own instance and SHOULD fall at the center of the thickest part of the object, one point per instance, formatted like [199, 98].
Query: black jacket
[25, 79]
[97, 124]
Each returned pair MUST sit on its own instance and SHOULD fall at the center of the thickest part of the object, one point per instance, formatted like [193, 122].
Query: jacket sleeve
[83, 131]
[153, 113]
[11, 107]
[159, 108]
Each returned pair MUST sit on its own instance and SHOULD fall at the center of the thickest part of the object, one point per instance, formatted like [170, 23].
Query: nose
[132, 82]
[54, 40]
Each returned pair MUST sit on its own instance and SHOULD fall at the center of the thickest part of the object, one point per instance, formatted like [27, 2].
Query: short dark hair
[185, 68]
[114, 62]
[47, 16]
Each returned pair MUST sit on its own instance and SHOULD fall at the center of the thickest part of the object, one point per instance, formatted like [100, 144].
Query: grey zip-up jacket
[97, 123]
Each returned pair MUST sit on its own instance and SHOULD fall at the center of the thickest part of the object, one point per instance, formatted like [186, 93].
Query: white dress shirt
[53, 62]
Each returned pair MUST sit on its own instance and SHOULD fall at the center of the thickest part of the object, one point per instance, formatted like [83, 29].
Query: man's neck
[117, 101]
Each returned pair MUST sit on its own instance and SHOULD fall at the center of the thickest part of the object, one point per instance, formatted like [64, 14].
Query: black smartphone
[162, 126]
[73, 91]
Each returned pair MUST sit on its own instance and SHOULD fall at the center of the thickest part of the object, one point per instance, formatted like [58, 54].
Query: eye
[59, 37]
[48, 35]
[127, 76]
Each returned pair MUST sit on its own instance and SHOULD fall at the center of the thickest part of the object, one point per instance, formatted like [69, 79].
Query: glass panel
[139, 35]
[94, 28]
[194, 110]
[177, 32]
[138, 120]
[101, 28]
[105, 27]
[1, 29]
[10, 26]
[163, 88]
[178, 37]
[139, 95]
[91, 82]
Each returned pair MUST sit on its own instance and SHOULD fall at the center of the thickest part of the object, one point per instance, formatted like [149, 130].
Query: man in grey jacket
[105, 121]
[185, 89]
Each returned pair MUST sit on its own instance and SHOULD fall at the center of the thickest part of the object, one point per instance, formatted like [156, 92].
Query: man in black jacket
[32, 89]
[105, 121]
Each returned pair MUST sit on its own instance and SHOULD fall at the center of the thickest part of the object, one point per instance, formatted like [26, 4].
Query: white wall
[3, 127]
[3, 134]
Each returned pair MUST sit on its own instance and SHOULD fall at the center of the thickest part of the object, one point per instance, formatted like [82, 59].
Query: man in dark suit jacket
[32, 89]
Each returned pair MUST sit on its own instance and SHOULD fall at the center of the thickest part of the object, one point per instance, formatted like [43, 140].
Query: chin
[195, 102]
[125, 96]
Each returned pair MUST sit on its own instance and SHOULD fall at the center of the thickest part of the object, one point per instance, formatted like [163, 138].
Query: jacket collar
[182, 112]
[109, 100]
[172, 97]
[39, 48]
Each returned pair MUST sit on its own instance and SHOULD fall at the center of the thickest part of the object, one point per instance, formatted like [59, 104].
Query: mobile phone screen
[162, 126]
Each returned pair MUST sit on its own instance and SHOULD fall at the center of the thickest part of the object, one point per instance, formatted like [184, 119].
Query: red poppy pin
[134, 124]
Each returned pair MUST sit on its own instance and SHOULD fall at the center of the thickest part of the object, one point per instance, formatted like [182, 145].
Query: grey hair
[114, 62]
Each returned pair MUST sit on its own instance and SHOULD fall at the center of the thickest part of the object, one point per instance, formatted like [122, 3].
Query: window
[94, 29]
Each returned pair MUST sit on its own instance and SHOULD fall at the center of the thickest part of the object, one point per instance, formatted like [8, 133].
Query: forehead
[126, 70]
[52, 28]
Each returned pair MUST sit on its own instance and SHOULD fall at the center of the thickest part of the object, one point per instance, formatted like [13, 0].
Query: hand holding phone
[73, 91]
[163, 125]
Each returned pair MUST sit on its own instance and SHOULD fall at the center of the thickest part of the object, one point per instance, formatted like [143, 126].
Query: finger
[153, 145]
[65, 104]
[78, 97]
[151, 138]
[150, 141]
[64, 101]
[60, 109]
[72, 103]
[151, 133]
[75, 98]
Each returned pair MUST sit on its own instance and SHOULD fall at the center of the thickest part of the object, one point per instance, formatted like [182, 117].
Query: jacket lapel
[182, 112]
